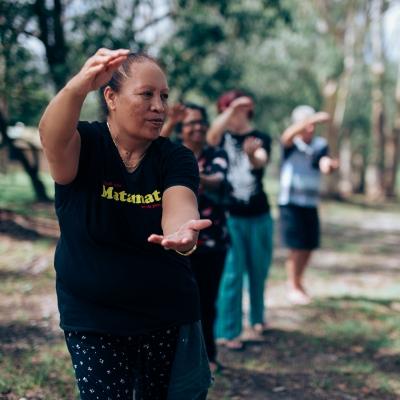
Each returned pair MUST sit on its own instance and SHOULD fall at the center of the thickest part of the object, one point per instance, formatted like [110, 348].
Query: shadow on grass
[19, 334]
[26, 230]
[295, 365]
[355, 239]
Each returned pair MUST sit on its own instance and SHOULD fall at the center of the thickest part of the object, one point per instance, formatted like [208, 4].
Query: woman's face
[140, 106]
[194, 128]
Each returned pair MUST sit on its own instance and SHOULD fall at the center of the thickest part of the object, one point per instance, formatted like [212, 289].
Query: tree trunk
[53, 38]
[32, 169]
[394, 145]
[376, 168]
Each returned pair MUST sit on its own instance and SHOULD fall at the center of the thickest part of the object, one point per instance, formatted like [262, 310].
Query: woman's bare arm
[57, 127]
[180, 220]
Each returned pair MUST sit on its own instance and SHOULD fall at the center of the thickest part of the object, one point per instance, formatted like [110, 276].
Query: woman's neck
[125, 142]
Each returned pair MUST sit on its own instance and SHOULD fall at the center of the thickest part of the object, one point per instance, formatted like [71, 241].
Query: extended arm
[180, 220]
[176, 114]
[212, 181]
[257, 154]
[290, 133]
[220, 124]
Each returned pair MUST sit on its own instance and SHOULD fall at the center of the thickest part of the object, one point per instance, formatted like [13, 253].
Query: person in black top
[249, 223]
[191, 122]
[127, 208]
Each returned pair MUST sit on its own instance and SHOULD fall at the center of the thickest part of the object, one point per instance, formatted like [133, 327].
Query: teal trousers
[250, 253]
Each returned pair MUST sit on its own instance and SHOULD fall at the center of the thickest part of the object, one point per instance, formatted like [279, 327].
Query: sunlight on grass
[17, 192]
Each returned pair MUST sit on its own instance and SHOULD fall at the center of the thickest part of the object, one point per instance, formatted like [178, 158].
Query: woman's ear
[109, 96]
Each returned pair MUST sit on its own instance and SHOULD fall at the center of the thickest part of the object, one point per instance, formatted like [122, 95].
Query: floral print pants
[111, 367]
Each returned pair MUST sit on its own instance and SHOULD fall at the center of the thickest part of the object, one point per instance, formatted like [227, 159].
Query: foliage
[22, 86]
[200, 55]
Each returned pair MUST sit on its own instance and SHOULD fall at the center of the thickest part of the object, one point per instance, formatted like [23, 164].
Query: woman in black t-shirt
[191, 122]
[124, 197]
[249, 222]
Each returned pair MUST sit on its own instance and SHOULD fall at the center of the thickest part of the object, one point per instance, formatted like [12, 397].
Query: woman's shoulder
[91, 129]
[260, 134]
[164, 147]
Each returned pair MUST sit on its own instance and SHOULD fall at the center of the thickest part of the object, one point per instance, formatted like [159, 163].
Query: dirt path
[346, 345]
[358, 266]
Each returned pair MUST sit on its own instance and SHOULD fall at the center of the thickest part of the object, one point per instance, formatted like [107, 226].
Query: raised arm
[290, 133]
[180, 220]
[220, 124]
[57, 127]
[176, 114]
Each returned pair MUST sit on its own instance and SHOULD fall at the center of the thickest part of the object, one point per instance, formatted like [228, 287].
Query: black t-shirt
[248, 197]
[109, 278]
[215, 238]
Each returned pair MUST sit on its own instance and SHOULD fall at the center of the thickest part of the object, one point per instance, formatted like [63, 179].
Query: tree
[394, 144]
[18, 87]
[201, 55]
[376, 169]
[51, 34]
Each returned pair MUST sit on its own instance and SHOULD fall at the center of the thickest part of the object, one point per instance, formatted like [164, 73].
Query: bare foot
[234, 344]
[298, 297]
[260, 328]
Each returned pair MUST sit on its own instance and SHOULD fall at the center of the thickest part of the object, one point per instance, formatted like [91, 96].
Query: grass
[345, 345]
[17, 194]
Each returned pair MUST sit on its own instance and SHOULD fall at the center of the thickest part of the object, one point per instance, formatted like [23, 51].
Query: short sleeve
[318, 154]
[219, 162]
[266, 143]
[88, 136]
[181, 169]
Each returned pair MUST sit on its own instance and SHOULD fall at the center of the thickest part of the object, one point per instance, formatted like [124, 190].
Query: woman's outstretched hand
[97, 70]
[184, 238]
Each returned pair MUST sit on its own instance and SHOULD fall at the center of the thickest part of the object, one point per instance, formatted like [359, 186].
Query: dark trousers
[111, 367]
[208, 268]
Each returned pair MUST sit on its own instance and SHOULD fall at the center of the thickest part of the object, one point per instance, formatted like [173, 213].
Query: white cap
[300, 113]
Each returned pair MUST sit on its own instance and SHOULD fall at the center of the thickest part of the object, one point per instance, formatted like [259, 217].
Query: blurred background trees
[341, 56]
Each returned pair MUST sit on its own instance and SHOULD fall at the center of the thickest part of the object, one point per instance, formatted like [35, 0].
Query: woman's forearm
[179, 207]
[218, 127]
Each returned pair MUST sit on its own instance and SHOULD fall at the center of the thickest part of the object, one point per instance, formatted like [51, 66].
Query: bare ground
[345, 345]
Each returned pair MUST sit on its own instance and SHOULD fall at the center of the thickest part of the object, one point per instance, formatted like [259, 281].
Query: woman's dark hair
[193, 106]
[226, 99]
[122, 73]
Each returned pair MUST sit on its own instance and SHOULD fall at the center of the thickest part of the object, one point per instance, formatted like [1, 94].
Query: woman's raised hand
[97, 70]
[177, 113]
[242, 103]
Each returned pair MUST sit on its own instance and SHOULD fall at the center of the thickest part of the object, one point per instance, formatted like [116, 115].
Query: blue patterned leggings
[111, 367]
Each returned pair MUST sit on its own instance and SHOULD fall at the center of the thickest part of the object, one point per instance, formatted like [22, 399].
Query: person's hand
[184, 238]
[243, 103]
[327, 165]
[177, 113]
[97, 70]
[334, 164]
[251, 144]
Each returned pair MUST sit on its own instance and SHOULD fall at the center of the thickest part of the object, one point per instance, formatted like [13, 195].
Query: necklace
[125, 155]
